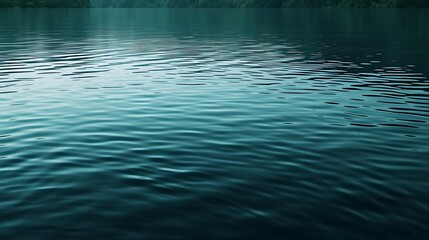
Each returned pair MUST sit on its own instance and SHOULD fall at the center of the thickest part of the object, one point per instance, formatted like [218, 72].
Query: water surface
[214, 124]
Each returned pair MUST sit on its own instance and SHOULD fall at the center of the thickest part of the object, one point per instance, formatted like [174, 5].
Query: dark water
[214, 124]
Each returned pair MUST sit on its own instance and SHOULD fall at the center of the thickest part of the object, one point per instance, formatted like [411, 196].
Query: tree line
[218, 3]
[45, 3]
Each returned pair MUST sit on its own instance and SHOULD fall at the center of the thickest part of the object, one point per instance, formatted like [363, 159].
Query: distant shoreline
[50, 7]
[213, 4]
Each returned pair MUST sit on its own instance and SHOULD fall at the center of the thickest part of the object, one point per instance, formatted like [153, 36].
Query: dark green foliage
[6, 3]
[218, 3]
[45, 3]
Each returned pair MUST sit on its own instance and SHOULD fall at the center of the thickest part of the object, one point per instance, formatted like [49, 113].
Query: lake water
[214, 124]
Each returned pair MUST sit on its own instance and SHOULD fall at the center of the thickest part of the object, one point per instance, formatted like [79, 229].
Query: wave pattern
[202, 136]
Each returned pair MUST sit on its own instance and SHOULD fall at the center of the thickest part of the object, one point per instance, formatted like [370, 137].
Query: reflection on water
[214, 124]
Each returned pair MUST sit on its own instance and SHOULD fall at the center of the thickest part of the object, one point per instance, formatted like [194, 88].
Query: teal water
[214, 124]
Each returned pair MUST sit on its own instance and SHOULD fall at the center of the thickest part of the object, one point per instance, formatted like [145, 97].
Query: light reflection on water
[213, 124]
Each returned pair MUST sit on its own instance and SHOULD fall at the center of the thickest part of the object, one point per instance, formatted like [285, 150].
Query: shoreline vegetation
[215, 3]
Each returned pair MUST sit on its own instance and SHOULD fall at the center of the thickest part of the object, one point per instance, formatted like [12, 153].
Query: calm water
[214, 124]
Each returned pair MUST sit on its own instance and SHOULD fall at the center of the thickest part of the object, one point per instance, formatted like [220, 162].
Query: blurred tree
[217, 3]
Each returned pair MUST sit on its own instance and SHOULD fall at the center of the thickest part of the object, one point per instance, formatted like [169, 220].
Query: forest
[45, 3]
[218, 3]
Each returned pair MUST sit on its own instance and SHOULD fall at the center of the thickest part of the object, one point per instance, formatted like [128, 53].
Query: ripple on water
[135, 132]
